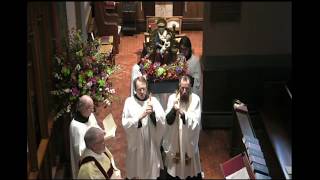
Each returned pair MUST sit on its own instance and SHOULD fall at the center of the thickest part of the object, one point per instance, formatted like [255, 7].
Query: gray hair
[140, 79]
[91, 136]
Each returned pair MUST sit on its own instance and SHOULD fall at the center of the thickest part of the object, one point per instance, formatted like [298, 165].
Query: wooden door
[193, 15]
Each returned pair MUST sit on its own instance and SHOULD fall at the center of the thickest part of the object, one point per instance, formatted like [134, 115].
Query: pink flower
[75, 91]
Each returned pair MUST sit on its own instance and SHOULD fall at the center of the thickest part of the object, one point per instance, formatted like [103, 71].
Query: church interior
[244, 51]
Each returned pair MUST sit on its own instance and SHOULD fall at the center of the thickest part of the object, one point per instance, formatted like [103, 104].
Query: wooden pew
[271, 125]
[276, 114]
[245, 140]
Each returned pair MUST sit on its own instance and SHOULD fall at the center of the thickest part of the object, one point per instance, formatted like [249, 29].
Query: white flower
[67, 90]
[78, 67]
[68, 108]
[56, 75]
[89, 84]
[100, 89]
[107, 102]
[59, 60]
[112, 91]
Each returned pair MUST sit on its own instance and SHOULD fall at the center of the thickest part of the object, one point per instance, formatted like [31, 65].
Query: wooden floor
[213, 144]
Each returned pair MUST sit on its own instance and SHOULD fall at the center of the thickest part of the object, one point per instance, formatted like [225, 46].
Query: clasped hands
[148, 110]
[176, 106]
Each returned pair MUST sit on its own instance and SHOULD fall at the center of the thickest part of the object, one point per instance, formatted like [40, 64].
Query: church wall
[264, 28]
[239, 57]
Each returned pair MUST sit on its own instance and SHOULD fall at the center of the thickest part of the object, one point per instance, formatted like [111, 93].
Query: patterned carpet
[214, 144]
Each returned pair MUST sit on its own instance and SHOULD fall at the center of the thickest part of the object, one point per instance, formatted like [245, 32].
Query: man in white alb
[144, 121]
[180, 141]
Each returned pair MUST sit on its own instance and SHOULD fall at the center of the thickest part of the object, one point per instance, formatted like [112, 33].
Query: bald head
[85, 99]
[85, 105]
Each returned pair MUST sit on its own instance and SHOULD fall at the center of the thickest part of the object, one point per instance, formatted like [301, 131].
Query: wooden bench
[276, 117]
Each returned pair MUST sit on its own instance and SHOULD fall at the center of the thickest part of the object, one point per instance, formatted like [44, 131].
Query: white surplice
[77, 144]
[194, 69]
[135, 72]
[183, 138]
[143, 159]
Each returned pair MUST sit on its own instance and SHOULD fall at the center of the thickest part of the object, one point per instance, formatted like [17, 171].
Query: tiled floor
[213, 144]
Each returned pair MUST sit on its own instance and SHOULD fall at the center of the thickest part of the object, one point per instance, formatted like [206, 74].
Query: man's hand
[148, 110]
[176, 105]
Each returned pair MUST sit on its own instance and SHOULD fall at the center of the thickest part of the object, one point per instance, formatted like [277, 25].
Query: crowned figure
[162, 45]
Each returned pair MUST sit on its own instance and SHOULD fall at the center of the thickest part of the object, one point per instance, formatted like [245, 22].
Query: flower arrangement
[83, 70]
[157, 72]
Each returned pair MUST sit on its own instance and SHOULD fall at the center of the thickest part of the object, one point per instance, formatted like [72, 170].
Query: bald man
[81, 122]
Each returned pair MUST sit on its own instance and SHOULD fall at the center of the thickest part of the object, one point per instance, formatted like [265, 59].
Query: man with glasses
[97, 161]
[180, 142]
[83, 119]
[143, 120]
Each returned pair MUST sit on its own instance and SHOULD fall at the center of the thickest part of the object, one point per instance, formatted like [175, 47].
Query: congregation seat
[276, 116]
[271, 125]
